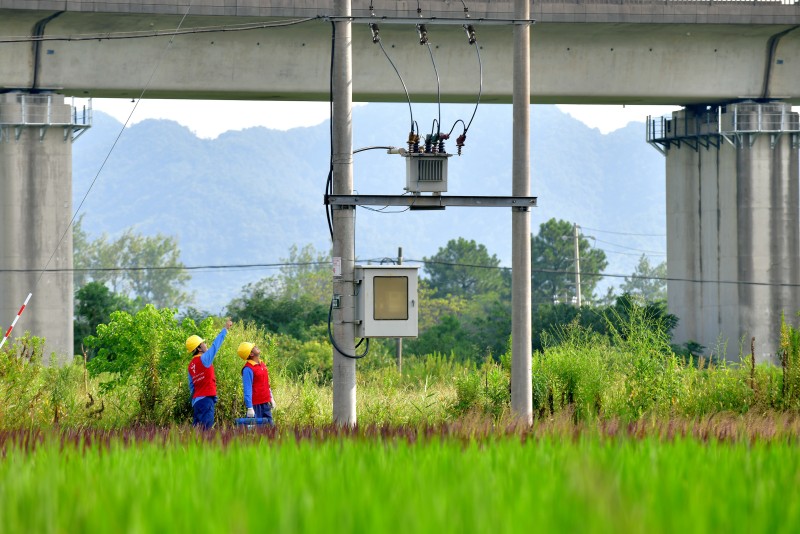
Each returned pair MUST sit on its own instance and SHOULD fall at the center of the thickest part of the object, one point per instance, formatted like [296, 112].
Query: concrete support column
[521, 387]
[35, 211]
[733, 215]
[344, 368]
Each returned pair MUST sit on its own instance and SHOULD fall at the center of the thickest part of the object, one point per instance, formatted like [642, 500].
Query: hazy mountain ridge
[247, 196]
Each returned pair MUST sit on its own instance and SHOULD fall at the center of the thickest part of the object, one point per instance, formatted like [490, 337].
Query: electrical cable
[626, 247]
[438, 91]
[403, 83]
[256, 266]
[472, 41]
[379, 210]
[384, 212]
[611, 275]
[660, 254]
[621, 233]
[111, 36]
[364, 149]
[463, 124]
[329, 182]
[480, 85]
[335, 346]
[466, 9]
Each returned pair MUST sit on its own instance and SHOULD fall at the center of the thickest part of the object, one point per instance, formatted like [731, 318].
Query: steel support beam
[432, 202]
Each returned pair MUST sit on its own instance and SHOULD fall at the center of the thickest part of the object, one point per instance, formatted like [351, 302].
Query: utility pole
[343, 317]
[521, 342]
[399, 346]
[577, 254]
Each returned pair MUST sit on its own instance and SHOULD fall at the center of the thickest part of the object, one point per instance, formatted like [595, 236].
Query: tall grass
[631, 374]
[395, 485]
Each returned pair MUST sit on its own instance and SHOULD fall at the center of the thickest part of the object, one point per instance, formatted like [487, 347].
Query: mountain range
[247, 196]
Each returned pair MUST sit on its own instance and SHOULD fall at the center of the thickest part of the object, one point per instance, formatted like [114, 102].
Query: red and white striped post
[10, 328]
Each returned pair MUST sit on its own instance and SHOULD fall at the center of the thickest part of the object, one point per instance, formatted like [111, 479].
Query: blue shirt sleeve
[208, 356]
[191, 386]
[247, 385]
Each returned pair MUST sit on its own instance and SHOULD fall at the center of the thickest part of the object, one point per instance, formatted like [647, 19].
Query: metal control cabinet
[387, 302]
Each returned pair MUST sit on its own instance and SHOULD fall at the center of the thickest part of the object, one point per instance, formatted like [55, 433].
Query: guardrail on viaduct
[716, 124]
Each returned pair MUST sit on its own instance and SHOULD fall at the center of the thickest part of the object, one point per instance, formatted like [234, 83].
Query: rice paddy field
[723, 475]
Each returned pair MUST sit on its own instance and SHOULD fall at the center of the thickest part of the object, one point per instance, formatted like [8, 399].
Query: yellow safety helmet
[193, 342]
[245, 349]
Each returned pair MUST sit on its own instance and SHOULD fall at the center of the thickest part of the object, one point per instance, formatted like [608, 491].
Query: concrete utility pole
[576, 241]
[344, 368]
[521, 389]
[399, 347]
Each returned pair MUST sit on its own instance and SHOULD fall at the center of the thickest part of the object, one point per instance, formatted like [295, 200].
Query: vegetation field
[398, 480]
[629, 434]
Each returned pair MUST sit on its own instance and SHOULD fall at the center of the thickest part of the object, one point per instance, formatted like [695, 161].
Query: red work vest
[203, 378]
[261, 392]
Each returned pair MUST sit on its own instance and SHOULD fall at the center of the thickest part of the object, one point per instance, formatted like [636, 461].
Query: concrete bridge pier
[36, 135]
[733, 224]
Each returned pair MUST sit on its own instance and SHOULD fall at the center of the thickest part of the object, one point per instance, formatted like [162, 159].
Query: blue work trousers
[264, 411]
[203, 412]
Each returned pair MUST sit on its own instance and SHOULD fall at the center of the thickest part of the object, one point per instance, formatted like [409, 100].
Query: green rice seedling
[397, 483]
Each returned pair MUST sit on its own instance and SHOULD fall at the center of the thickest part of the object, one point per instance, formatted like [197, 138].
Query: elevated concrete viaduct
[694, 54]
[596, 51]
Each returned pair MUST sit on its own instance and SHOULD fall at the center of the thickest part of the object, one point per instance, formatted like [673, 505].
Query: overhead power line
[256, 266]
[663, 254]
[620, 233]
[169, 267]
[144, 34]
[629, 248]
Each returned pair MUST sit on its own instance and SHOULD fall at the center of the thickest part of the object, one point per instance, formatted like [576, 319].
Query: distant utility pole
[399, 347]
[576, 240]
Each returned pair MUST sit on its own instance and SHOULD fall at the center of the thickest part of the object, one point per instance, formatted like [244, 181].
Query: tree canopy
[147, 268]
[553, 264]
[292, 301]
[463, 268]
[647, 281]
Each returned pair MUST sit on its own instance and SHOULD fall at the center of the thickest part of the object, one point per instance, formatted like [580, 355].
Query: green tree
[449, 336]
[631, 315]
[94, 304]
[147, 268]
[146, 350]
[468, 328]
[647, 281]
[306, 273]
[293, 301]
[553, 264]
[464, 269]
[294, 317]
[156, 273]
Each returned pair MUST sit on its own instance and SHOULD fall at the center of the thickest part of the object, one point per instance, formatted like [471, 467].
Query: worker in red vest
[255, 383]
[202, 381]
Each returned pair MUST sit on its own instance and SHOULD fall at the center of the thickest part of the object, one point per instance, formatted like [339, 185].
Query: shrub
[572, 372]
[486, 390]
